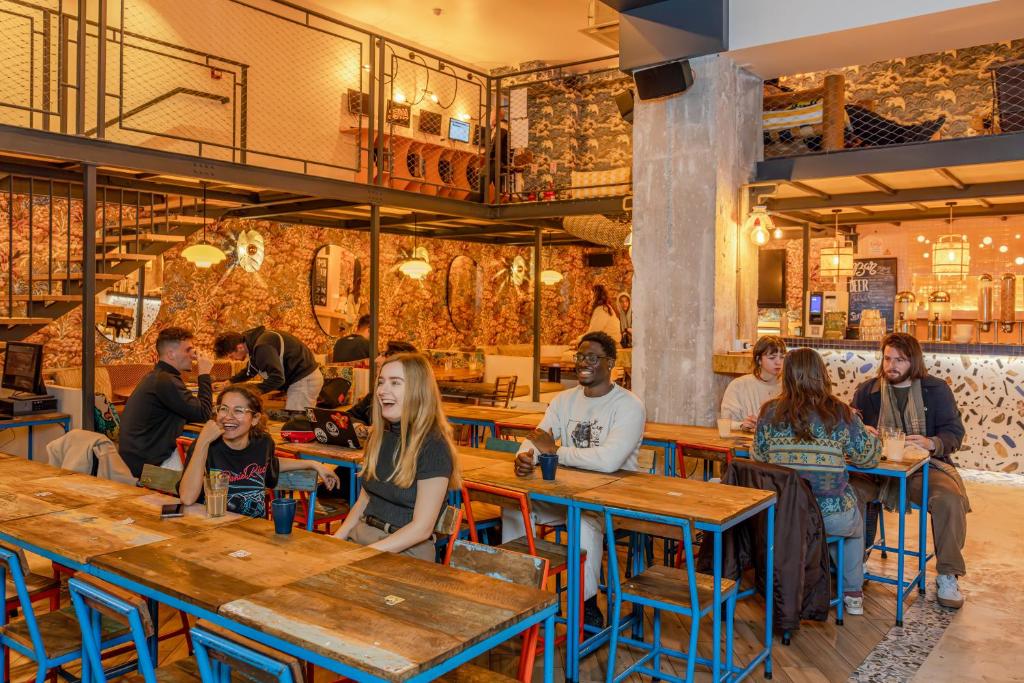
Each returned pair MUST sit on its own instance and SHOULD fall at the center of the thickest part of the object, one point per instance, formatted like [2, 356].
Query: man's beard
[898, 380]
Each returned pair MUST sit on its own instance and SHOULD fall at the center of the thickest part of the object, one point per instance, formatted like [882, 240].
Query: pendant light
[417, 266]
[203, 254]
[951, 254]
[759, 225]
[837, 260]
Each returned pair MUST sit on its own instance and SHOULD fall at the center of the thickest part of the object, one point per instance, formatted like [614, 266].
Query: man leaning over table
[600, 427]
[161, 405]
[905, 397]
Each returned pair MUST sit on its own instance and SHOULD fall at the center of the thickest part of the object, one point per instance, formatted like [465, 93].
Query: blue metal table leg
[769, 590]
[574, 590]
[549, 649]
[716, 611]
[901, 550]
[922, 543]
[66, 423]
[30, 442]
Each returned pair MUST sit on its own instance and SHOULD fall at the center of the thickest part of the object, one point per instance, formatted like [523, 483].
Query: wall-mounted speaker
[624, 101]
[601, 259]
[663, 80]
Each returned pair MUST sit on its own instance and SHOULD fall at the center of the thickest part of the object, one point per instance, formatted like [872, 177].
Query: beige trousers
[304, 393]
[364, 534]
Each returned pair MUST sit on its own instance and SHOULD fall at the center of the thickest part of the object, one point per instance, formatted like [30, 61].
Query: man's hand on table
[544, 441]
[922, 442]
[524, 463]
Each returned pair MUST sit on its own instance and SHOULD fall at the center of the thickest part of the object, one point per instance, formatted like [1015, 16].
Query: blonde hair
[421, 416]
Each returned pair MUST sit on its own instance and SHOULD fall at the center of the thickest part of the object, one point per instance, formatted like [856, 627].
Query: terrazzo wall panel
[989, 391]
[227, 297]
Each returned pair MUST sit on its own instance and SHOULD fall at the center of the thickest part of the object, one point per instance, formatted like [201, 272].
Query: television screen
[771, 278]
[458, 130]
[23, 367]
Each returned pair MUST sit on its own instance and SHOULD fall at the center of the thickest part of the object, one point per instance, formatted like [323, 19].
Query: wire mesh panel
[1008, 96]
[254, 82]
[30, 56]
[566, 136]
[433, 114]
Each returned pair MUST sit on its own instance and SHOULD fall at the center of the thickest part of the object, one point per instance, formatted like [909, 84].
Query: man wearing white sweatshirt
[600, 426]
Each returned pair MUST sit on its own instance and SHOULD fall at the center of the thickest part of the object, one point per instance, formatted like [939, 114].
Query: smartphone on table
[172, 510]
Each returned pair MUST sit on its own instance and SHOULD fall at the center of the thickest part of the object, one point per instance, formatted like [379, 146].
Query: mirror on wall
[336, 289]
[464, 293]
[122, 315]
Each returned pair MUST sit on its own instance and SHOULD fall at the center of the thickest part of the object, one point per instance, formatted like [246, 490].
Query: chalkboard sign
[873, 285]
[320, 281]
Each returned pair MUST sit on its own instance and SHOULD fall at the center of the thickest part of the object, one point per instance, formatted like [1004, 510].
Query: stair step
[47, 298]
[110, 277]
[11, 322]
[116, 256]
[143, 237]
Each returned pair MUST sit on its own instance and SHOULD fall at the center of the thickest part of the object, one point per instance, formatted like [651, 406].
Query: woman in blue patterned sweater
[810, 430]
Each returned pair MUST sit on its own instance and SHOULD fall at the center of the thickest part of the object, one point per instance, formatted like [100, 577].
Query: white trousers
[304, 393]
[173, 462]
[591, 537]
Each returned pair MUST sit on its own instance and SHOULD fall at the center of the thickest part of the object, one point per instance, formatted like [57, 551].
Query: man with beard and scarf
[904, 396]
[600, 426]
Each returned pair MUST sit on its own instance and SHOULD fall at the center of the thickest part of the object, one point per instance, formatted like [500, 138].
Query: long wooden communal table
[16, 468]
[36, 420]
[656, 434]
[714, 508]
[486, 417]
[246, 578]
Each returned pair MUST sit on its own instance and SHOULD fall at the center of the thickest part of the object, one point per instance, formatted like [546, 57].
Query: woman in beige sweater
[603, 317]
[746, 394]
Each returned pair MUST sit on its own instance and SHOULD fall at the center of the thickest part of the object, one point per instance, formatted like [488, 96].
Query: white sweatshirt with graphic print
[602, 434]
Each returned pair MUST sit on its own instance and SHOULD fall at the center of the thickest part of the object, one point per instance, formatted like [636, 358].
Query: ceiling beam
[876, 183]
[804, 187]
[951, 177]
[922, 194]
[941, 212]
[281, 208]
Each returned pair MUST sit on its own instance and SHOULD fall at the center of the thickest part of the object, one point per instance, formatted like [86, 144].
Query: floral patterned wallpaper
[954, 83]
[226, 297]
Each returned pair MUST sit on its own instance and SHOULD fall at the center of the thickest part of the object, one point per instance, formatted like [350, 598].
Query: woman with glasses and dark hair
[236, 442]
[746, 394]
[810, 430]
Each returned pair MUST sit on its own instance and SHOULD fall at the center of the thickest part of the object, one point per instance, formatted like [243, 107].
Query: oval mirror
[336, 289]
[122, 315]
[464, 293]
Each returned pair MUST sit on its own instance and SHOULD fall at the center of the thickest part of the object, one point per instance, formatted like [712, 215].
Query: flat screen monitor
[23, 368]
[458, 130]
[771, 278]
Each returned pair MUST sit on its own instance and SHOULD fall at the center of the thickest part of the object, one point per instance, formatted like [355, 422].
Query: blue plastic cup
[283, 510]
[548, 465]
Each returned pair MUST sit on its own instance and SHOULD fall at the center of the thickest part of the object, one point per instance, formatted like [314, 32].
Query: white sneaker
[949, 594]
[852, 605]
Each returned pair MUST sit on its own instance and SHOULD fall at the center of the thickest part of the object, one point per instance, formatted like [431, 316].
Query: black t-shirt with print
[395, 505]
[251, 471]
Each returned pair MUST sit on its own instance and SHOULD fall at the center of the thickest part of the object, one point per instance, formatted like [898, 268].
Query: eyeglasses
[236, 411]
[588, 358]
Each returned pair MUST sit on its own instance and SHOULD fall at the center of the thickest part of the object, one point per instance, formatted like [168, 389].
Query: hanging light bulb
[417, 266]
[837, 260]
[203, 254]
[951, 254]
[399, 96]
[759, 225]
[777, 234]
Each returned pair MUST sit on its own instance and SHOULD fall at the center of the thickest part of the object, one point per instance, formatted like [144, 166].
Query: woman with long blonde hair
[410, 462]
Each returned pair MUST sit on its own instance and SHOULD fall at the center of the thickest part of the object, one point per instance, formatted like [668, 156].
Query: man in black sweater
[160, 406]
[355, 346]
[281, 359]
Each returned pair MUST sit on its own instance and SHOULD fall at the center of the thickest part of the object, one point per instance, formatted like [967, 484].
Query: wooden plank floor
[820, 651]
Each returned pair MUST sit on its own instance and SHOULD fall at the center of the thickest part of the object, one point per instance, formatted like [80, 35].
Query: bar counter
[987, 379]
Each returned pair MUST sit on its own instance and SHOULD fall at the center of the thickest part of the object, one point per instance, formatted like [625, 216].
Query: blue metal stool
[219, 652]
[50, 640]
[681, 591]
[94, 599]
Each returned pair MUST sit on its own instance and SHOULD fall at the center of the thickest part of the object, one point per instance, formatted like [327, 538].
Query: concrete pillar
[691, 154]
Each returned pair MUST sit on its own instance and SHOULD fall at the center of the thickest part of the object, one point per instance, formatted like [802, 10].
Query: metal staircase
[35, 297]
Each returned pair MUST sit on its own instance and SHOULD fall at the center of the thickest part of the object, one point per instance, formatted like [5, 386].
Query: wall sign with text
[873, 286]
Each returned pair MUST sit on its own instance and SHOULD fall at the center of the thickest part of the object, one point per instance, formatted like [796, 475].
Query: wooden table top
[674, 497]
[16, 469]
[21, 419]
[464, 411]
[144, 512]
[214, 567]
[71, 490]
[18, 506]
[568, 481]
[389, 615]
[912, 459]
[457, 374]
[316, 448]
[471, 459]
[80, 536]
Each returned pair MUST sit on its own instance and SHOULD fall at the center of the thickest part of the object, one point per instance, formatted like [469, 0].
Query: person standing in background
[603, 317]
[626, 318]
